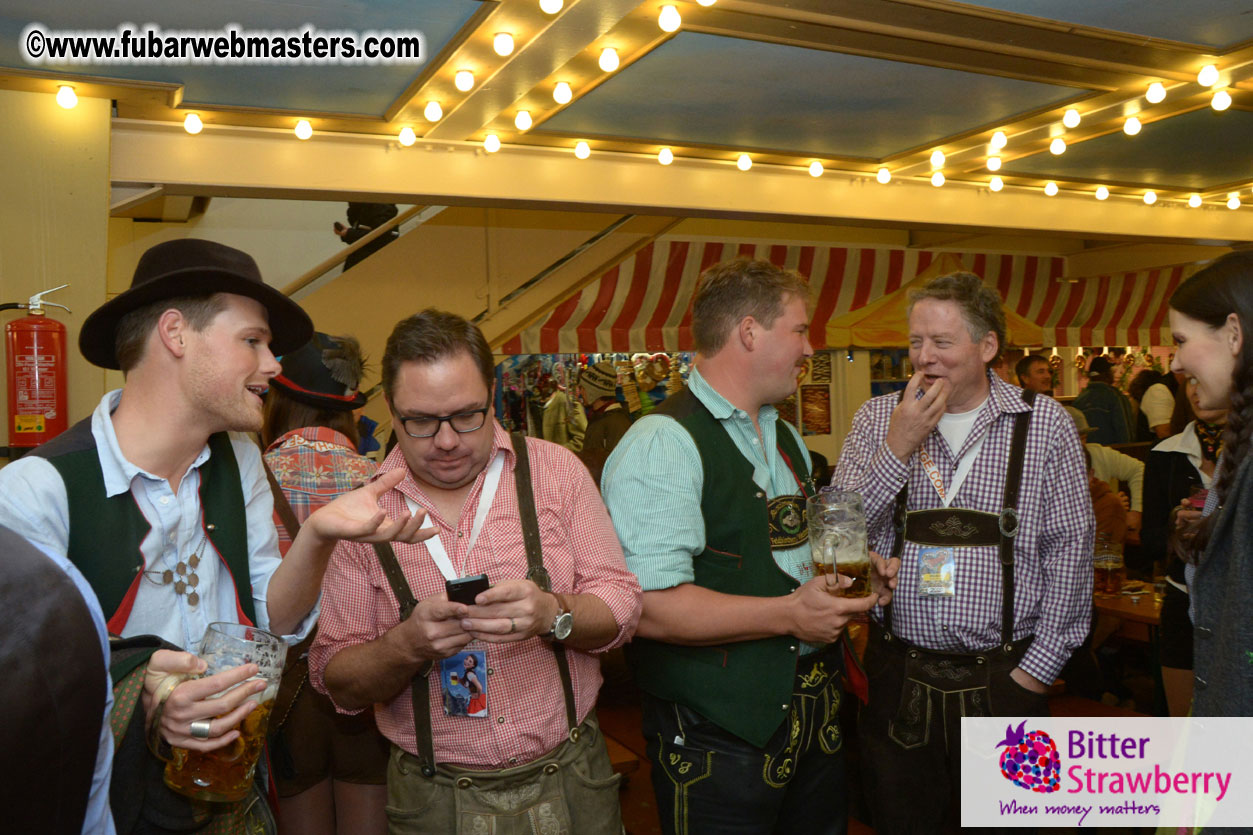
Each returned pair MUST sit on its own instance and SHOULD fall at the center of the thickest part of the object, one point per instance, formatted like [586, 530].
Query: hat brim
[312, 398]
[290, 326]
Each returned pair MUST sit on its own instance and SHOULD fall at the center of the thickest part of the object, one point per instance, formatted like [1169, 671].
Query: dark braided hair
[1210, 296]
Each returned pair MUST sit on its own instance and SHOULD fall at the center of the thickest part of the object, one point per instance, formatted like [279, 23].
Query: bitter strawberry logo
[1030, 759]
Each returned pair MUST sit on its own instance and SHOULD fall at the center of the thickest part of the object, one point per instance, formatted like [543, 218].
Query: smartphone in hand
[465, 589]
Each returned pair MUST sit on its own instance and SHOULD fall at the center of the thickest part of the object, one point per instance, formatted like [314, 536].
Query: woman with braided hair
[1211, 316]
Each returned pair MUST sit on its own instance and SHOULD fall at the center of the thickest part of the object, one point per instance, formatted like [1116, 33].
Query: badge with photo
[463, 679]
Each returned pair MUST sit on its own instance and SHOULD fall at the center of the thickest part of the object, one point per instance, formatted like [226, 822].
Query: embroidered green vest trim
[745, 686]
[105, 532]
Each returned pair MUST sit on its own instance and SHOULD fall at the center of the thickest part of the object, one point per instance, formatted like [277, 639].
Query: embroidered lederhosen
[965, 674]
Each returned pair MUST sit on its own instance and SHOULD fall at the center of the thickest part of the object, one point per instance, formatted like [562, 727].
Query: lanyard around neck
[436, 548]
[964, 465]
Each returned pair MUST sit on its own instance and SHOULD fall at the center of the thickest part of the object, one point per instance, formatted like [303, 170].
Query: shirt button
[500, 720]
[460, 534]
[165, 500]
[490, 671]
[513, 760]
[755, 442]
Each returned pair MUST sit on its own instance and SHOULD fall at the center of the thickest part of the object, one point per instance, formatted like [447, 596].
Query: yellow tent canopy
[884, 323]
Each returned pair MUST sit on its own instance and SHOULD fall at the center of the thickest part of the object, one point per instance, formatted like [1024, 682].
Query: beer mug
[1109, 569]
[225, 774]
[837, 540]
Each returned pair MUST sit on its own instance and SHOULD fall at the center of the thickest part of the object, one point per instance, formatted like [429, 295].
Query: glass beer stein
[837, 540]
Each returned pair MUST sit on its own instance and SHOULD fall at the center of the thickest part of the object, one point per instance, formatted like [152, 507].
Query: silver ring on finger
[200, 729]
[513, 627]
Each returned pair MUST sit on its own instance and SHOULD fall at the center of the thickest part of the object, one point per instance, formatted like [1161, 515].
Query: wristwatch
[563, 624]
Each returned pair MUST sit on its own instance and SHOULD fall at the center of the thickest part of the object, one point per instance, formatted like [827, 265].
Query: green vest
[105, 532]
[744, 687]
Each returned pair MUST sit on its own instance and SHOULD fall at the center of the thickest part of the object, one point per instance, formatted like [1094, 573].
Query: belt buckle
[1007, 522]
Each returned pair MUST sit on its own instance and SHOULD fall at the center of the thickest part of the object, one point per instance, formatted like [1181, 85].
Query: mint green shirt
[652, 485]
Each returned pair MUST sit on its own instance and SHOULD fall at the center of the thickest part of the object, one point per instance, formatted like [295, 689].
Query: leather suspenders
[535, 572]
[998, 529]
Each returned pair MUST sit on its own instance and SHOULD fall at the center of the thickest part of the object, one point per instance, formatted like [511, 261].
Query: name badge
[937, 571]
[463, 680]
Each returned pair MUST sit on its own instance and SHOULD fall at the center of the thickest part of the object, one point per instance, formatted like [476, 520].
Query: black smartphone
[465, 589]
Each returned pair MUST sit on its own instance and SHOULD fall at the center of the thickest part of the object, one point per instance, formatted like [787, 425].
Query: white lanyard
[964, 466]
[438, 553]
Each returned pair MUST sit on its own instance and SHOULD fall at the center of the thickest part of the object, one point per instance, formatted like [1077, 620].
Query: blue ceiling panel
[335, 88]
[709, 89]
[1192, 151]
[1214, 23]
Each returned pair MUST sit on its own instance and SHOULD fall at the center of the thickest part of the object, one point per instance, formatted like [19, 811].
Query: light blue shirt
[653, 480]
[33, 504]
[99, 818]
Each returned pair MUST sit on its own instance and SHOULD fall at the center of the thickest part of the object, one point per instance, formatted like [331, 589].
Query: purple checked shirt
[1052, 551]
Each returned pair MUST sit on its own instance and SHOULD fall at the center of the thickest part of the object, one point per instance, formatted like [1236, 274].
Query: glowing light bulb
[1208, 76]
[562, 93]
[665, 156]
[303, 129]
[433, 112]
[551, 6]
[1071, 118]
[1132, 126]
[937, 179]
[1150, 197]
[706, 3]
[1102, 193]
[1221, 100]
[1156, 92]
[815, 169]
[582, 150]
[994, 163]
[884, 176]
[1057, 147]
[523, 120]
[1194, 201]
[1050, 188]
[66, 97]
[502, 43]
[608, 59]
[999, 140]
[996, 184]
[407, 136]
[463, 80]
[743, 162]
[937, 158]
[1233, 201]
[192, 124]
[669, 20]
[491, 143]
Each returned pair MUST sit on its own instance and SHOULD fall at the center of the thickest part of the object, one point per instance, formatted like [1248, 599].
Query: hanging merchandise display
[35, 353]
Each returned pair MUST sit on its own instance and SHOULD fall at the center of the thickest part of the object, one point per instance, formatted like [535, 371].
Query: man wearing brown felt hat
[163, 505]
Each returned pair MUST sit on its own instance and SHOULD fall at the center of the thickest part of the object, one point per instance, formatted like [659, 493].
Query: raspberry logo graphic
[1030, 759]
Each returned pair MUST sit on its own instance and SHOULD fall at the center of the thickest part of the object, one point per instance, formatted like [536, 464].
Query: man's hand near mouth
[914, 417]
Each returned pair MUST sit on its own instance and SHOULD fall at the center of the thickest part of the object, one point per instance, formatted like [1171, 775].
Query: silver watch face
[563, 626]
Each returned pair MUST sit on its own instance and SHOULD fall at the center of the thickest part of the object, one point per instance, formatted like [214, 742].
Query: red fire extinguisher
[38, 404]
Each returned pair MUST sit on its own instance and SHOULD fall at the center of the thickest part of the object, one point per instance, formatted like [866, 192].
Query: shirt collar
[1186, 442]
[718, 405]
[118, 472]
[408, 486]
[314, 434]
[1004, 397]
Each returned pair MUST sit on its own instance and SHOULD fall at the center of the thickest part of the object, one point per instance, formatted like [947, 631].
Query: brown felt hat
[192, 267]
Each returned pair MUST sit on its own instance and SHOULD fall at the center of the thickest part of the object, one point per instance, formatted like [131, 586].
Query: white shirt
[956, 428]
[1158, 404]
[33, 504]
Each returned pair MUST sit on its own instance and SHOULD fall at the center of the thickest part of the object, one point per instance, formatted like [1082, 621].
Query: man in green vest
[736, 649]
[159, 500]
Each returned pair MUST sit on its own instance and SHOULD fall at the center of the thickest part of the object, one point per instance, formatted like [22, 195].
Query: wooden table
[1143, 609]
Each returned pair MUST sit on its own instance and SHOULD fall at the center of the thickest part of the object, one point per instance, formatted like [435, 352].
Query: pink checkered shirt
[1052, 551]
[314, 466]
[581, 552]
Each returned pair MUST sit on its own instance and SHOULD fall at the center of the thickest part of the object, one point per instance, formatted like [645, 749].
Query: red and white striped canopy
[644, 303]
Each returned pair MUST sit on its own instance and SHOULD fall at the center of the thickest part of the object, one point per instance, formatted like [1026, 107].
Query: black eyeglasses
[428, 426]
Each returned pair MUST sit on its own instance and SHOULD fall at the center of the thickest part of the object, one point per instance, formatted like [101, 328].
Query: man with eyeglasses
[527, 749]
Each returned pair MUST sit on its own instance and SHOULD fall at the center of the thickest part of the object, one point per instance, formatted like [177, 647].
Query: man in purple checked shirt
[981, 489]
